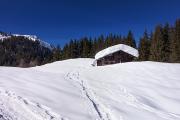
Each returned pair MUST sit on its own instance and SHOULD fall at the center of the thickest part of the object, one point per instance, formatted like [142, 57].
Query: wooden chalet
[116, 54]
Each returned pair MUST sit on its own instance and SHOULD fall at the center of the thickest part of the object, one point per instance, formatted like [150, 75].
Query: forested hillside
[22, 52]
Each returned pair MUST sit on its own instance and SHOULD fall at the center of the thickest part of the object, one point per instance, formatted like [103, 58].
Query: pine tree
[65, 52]
[166, 44]
[118, 40]
[85, 47]
[94, 47]
[144, 47]
[100, 43]
[130, 40]
[157, 45]
[91, 48]
[175, 43]
[57, 54]
[109, 40]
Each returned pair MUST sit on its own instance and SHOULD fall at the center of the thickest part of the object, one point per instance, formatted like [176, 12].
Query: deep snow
[75, 90]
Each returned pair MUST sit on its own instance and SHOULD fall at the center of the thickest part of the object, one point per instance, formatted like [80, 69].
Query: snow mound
[13, 107]
[116, 48]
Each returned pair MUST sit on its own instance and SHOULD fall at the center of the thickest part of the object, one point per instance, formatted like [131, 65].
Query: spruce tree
[85, 47]
[166, 44]
[130, 40]
[100, 43]
[175, 43]
[144, 47]
[157, 45]
[65, 52]
[118, 40]
[56, 54]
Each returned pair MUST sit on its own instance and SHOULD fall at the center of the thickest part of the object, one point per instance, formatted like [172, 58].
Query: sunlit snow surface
[75, 90]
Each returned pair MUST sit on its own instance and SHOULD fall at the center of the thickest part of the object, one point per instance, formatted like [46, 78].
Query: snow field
[76, 90]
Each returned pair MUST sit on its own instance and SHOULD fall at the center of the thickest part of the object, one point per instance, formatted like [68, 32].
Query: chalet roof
[116, 48]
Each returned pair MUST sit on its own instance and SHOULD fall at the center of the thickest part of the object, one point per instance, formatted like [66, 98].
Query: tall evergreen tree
[130, 40]
[109, 40]
[57, 54]
[175, 43]
[85, 47]
[94, 47]
[144, 47]
[65, 52]
[118, 40]
[166, 44]
[100, 43]
[157, 45]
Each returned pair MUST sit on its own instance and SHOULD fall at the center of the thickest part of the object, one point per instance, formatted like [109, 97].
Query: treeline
[162, 45]
[88, 47]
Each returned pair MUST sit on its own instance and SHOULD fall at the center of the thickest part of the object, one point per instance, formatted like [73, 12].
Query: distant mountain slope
[4, 36]
[23, 50]
[78, 91]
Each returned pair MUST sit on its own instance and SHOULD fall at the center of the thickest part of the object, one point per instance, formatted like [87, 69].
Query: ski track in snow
[13, 107]
[103, 112]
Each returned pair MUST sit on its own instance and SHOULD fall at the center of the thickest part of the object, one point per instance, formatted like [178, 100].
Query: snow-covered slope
[30, 37]
[77, 91]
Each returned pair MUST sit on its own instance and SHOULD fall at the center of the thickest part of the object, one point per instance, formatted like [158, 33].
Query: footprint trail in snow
[102, 111]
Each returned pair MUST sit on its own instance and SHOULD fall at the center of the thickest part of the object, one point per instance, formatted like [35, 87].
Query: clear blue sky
[57, 21]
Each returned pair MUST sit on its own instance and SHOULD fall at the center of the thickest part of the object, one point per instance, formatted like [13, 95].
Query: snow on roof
[115, 48]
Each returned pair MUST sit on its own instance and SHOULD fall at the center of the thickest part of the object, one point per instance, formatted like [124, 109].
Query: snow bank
[115, 48]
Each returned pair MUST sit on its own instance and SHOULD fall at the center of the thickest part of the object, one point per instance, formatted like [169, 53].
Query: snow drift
[77, 91]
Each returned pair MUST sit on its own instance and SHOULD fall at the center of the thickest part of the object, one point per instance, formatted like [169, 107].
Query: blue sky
[57, 21]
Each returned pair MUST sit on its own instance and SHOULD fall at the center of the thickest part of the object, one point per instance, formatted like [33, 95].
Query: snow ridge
[30, 37]
[35, 38]
[103, 112]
